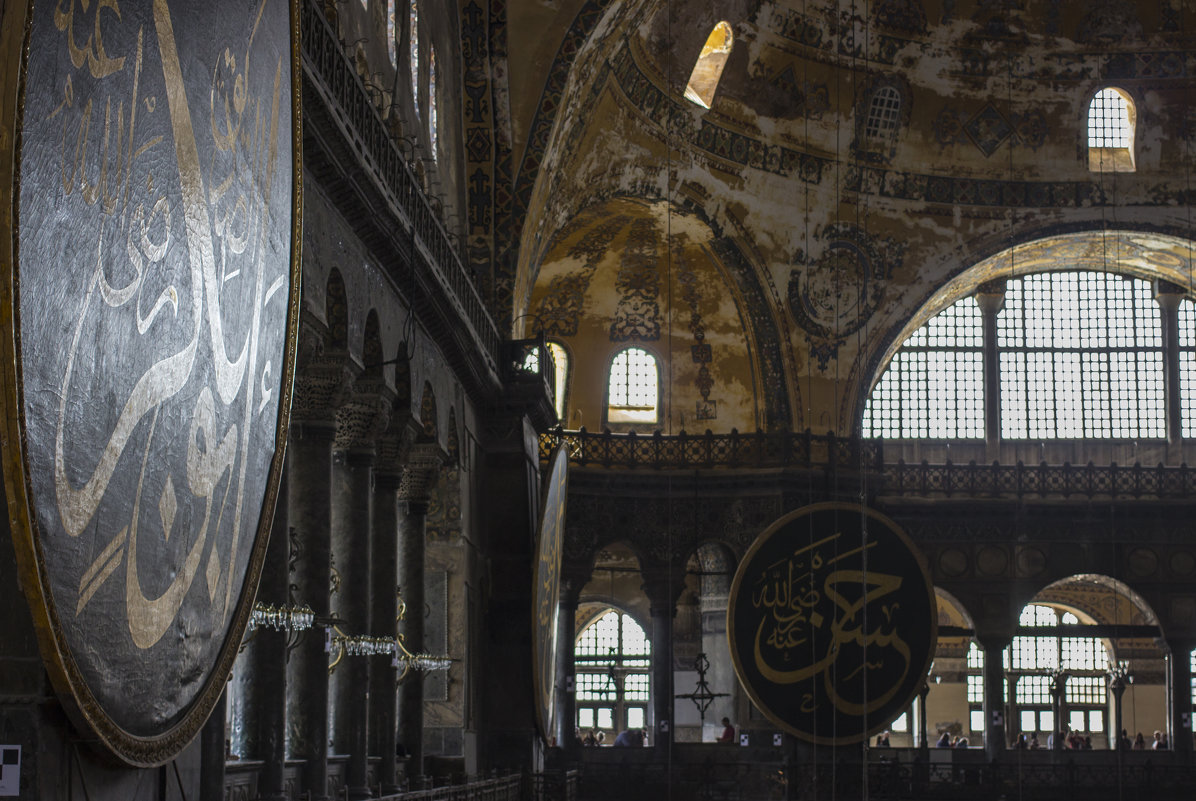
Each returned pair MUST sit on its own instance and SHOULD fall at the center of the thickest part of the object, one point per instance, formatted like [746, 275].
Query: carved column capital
[363, 417]
[420, 472]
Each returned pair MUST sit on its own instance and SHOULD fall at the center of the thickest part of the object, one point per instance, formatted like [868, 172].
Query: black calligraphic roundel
[149, 333]
[832, 622]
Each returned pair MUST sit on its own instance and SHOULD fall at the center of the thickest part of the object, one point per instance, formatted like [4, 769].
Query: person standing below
[728, 735]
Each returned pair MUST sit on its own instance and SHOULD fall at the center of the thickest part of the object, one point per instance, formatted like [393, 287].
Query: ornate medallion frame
[776, 689]
[63, 664]
[546, 588]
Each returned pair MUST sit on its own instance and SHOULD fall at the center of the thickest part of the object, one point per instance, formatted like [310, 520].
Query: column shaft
[412, 518]
[352, 502]
[270, 686]
[309, 463]
[383, 693]
[1179, 712]
[994, 699]
[566, 695]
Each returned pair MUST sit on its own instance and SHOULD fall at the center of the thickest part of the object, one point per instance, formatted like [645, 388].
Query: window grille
[883, 113]
[934, 386]
[1034, 690]
[1109, 120]
[633, 388]
[1085, 690]
[1080, 356]
[1187, 367]
[612, 655]
[975, 689]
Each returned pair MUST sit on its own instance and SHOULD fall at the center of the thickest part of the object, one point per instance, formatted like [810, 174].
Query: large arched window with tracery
[612, 658]
[1079, 355]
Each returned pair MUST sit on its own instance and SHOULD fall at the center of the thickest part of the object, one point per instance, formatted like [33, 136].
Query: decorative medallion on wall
[832, 622]
[834, 294]
[546, 592]
[153, 296]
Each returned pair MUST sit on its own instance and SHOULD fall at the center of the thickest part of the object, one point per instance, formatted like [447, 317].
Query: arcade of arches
[931, 256]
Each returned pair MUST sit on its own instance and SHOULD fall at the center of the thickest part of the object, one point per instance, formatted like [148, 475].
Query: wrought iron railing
[682, 451]
[1044, 480]
[827, 451]
[330, 68]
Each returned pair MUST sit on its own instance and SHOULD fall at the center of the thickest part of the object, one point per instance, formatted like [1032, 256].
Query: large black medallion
[151, 308]
[832, 622]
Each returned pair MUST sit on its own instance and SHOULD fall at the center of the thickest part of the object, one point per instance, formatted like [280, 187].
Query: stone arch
[336, 311]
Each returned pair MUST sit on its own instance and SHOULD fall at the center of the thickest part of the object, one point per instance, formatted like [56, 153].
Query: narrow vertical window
[560, 363]
[883, 113]
[1111, 118]
[634, 387]
[391, 48]
[433, 133]
[413, 41]
[703, 81]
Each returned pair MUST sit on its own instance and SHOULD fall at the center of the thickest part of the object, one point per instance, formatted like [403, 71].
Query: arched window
[1036, 660]
[560, 362]
[883, 113]
[413, 59]
[433, 130]
[391, 47]
[1079, 355]
[634, 387]
[703, 81]
[612, 657]
[1111, 118]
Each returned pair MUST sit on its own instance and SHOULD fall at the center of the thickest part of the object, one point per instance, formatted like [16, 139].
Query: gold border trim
[733, 596]
[78, 702]
[546, 715]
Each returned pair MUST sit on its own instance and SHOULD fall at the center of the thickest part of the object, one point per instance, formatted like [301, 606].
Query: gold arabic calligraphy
[227, 218]
[817, 602]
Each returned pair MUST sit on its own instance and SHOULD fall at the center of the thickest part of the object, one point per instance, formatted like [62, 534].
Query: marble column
[662, 599]
[1168, 296]
[270, 665]
[1179, 712]
[995, 724]
[419, 474]
[351, 522]
[566, 668]
[309, 468]
[384, 675]
[991, 299]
